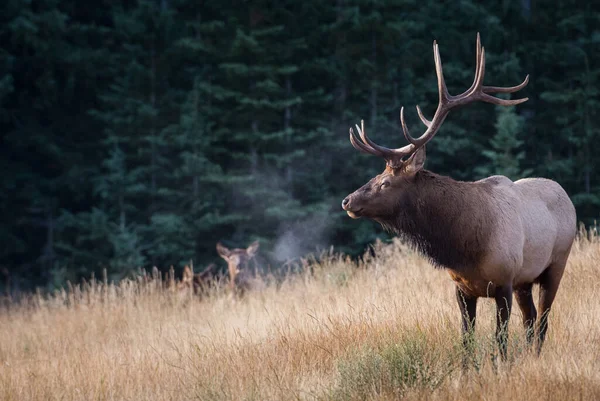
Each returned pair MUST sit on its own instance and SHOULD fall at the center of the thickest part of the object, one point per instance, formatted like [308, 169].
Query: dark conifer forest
[138, 133]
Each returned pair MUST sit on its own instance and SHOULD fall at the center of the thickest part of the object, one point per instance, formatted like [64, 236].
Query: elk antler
[477, 92]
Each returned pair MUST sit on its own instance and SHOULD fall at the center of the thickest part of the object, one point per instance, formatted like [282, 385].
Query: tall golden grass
[384, 328]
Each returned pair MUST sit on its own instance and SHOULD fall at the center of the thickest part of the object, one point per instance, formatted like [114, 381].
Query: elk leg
[503, 298]
[468, 313]
[525, 301]
[549, 281]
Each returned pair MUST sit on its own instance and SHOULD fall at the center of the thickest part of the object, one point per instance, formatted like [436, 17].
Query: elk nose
[345, 203]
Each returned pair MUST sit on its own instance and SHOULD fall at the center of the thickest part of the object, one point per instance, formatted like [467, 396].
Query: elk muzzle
[350, 207]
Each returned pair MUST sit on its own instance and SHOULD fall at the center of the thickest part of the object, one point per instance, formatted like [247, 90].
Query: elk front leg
[503, 298]
[468, 313]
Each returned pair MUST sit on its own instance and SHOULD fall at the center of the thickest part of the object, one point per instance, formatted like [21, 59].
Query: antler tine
[478, 53]
[433, 125]
[364, 144]
[479, 74]
[386, 152]
[480, 94]
[511, 89]
[443, 90]
[484, 97]
[479, 80]
[414, 142]
[358, 145]
[405, 128]
[478, 49]
[422, 117]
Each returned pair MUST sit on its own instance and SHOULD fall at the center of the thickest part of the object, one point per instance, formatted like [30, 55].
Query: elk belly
[472, 286]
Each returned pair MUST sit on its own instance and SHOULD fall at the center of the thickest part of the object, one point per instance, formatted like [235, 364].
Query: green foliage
[392, 370]
[140, 133]
[505, 156]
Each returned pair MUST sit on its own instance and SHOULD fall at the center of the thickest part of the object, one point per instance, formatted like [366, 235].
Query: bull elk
[237, 264]
[495, 237]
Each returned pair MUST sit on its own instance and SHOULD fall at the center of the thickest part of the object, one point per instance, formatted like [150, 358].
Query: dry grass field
[386, 328]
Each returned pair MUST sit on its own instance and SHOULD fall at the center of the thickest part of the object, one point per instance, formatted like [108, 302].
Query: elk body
[494, 236]
[240, 276]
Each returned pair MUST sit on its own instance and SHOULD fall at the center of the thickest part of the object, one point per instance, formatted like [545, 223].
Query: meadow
[386, 327]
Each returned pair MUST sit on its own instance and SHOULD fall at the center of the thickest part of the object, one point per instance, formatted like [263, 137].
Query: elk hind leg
[549, 281]
[524, 298]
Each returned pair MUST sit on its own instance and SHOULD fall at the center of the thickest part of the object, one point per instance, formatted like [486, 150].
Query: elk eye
[384, 184]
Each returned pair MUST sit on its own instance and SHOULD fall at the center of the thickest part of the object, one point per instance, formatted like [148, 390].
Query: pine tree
[136, 173]
[505, 154]
[49, 81]
[567, 132]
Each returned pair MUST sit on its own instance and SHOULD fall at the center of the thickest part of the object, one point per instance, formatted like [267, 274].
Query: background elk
[494, 236]
[198, 282]
[237, 259]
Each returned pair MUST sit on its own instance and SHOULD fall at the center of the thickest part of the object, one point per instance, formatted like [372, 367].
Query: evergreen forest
[138, 133]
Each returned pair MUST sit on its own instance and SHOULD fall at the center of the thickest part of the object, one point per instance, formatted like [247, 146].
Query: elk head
[387, 194]
[237, 263]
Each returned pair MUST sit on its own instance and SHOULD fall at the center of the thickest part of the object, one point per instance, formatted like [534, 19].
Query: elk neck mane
[448, 221]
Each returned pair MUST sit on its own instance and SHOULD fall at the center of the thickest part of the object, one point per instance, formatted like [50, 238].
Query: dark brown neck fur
[446, 220]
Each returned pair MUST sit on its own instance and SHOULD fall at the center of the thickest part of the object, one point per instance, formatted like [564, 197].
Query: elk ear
[223, 251]
[209, 268]
[415, 163]
[206, 272]
[187, 274]
[252, 249]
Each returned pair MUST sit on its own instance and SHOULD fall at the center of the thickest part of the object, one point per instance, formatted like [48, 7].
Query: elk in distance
[494, 236]
[197, 282]
[240, 277]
